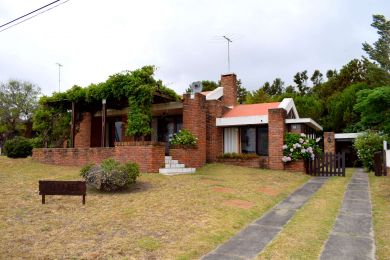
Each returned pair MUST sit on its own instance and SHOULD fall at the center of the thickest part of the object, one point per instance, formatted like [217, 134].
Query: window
[254, 139]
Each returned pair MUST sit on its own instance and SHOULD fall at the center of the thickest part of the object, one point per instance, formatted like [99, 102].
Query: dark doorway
[166, 127]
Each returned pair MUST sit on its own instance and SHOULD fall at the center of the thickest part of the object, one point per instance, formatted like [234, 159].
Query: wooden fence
[328, 164]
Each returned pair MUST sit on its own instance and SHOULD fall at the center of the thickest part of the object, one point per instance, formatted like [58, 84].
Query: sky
[94, 39]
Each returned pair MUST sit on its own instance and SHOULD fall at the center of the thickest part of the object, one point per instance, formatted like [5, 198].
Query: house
[220, 124]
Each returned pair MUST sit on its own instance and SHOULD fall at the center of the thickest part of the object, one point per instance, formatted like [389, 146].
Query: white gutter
[346, 135]
[307, 121]
[241, 120]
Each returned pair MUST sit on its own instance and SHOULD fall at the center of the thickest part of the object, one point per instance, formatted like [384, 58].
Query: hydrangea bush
[183, 137]
[299, 146]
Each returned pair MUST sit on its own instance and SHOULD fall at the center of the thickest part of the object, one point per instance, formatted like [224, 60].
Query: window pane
[262, 141]
[248, 140]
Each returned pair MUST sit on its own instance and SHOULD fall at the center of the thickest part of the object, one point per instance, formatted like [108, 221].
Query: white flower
[303, 151]
[298, 145]
[303, 135]
[318, 139]
[301, 140]
[291, 150]
[285, 147]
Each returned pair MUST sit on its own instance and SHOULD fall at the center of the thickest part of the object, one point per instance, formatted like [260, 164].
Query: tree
[301, 80]
[316, 78]
[18, 100]
[289, 89]
[366, 145]
[257, 96]
[241, 92]
[209, 85]
[374, 108]
[380, 52]
[276, 88]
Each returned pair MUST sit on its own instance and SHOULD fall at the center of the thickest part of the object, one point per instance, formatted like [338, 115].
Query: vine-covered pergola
[137, 90]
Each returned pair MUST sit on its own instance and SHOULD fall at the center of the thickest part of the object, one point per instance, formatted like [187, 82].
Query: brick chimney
[229, 84]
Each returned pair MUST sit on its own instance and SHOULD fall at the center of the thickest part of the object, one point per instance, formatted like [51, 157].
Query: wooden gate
[328, 164]
[380, 163]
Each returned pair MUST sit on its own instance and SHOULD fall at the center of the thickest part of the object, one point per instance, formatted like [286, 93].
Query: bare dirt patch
[269, 191]
[242, 204]
[223, 189]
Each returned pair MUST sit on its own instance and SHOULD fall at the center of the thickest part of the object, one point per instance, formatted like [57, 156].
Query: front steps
[173, 167]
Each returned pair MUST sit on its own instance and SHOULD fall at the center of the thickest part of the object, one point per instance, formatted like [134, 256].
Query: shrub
[110, 175]
[299, 146]
[366, 145]
[18, 147]
[183, 137]
[241, 156]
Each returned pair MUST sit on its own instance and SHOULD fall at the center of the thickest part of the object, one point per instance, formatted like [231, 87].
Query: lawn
[380, 198]
[160, 217]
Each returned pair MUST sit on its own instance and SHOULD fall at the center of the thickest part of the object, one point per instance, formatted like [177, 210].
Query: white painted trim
[242, 120]
[215, 94]
[288, 104]
[346, 135]
[307, 121]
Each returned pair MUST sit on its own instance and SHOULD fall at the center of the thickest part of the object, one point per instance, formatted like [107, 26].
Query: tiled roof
[251, 109]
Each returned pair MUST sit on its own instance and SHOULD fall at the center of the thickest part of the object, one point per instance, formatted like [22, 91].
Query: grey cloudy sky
[94, 39]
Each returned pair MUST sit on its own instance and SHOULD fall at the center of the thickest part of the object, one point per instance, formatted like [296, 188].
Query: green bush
[183, 137]
[18, 147]
[366, 145]
[241, 156]
[110, 175]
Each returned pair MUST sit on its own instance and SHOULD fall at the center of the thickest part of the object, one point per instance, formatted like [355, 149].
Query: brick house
[214, 117]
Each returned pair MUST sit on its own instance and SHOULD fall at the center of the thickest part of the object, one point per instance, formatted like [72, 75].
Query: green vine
[138, 87]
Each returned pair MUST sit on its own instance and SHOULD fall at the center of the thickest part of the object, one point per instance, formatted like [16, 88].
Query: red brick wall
[191, 157]
[229, 84]
[276, 131]
[329, 147]
[296, 166]
[83, 136]
[194, 120]
[261, 162]
[214, 136]
[149, 157]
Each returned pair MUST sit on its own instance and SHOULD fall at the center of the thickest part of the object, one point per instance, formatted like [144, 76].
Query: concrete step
[168, 157]
[175, 165]
[176, 171]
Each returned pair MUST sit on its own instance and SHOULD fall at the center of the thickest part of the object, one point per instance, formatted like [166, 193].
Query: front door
[167, 127]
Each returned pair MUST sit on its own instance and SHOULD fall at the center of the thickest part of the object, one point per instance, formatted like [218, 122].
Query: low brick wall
[149, 157]
[191, 157]
[259, 162]
[296, 166]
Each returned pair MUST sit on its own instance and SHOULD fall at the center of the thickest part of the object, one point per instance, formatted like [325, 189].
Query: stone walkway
[250, 241]
[352, 236]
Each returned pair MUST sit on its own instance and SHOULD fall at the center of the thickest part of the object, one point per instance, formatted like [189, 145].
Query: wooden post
[83, 199]
[104, 110]
[72, 125]
[43, 199]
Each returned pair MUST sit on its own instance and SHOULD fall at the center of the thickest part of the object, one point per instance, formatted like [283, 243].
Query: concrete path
[352, 236]
[251, 240]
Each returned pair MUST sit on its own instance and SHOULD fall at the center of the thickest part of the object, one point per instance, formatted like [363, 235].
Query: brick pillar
[214, 134]
[276, 131]
[194, 120]
[83, 136]
[229, 84]
[329, 147]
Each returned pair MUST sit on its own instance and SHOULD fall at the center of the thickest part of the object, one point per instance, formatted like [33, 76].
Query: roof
[205, 92]
[346, 135]
[251, 109]
[308, 121]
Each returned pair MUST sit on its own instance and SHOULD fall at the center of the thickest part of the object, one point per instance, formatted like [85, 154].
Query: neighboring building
[214, 117]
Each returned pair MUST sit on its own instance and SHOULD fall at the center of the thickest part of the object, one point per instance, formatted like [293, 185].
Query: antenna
[228, 42]
[59, 76]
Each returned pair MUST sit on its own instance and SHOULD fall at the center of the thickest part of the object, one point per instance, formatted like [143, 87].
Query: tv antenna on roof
[228, 42]
[59, 76]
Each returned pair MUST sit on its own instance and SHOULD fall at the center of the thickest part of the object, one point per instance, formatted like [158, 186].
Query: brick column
[276, 131]
[214, 134]
[329, 147]
[194, 120]
[229, 84]
[83, 136]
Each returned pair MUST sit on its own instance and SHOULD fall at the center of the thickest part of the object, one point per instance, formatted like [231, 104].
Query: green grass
[304, 236]
[160, 217]
[380, 198]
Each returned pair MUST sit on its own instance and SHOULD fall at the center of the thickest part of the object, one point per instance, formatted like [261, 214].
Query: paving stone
[276, 217]
[257, 232]
[347, 247]
[357, 186]
[357, 195]
[356, 206]
[356, 225]
[221, 257]
[357, 181]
